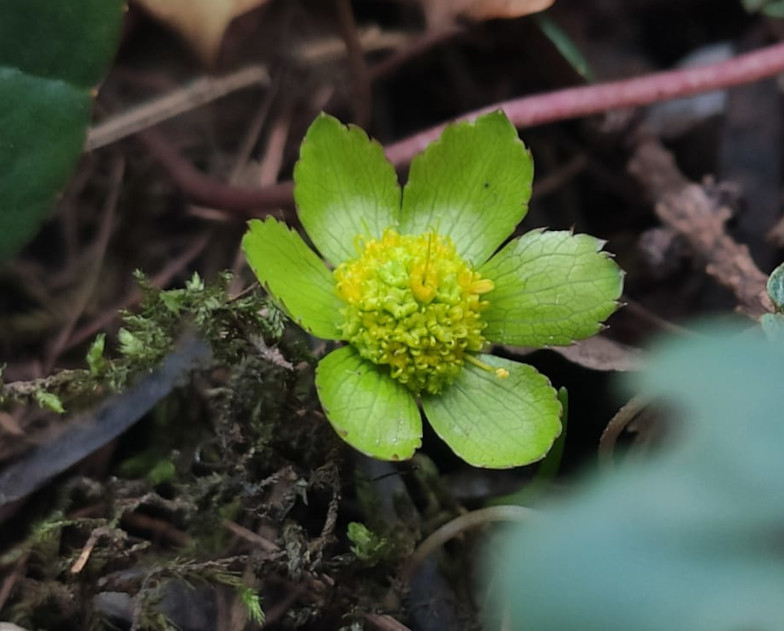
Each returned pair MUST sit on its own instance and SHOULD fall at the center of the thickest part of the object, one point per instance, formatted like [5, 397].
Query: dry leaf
[444, 12]
[202, 23]
[601, 353]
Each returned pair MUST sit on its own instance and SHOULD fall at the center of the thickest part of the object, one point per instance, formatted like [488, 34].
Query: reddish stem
[523, 112]
[206, 190]
[534, 110]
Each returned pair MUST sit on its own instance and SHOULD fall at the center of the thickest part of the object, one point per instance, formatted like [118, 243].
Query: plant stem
[534, 110]
[524, 112]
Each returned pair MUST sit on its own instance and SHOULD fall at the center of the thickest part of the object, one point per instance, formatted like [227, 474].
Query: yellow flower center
[414, 305]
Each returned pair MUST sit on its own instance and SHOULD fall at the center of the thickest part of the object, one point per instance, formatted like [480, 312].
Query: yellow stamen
[413, 304]
[482, 286]
[501, 373]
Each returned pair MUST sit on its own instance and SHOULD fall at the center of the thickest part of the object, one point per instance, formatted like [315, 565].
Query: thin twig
[254, 130]
[88, 285]
[11, 578]
[417, 47]
[385, 622]
[524, 112]
[615, 427]
[209, 191]
[250, 536]
[198, 93]
[463, 522]
[646, 315]
[161, 279]
[357, 66]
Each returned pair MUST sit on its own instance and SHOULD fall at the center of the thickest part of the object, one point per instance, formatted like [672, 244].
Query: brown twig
[691, 211]
[161, 279]
[179, 101]
[459, 524]
[87, 288]
[524, 112]
[12, 577]
[250, 536]
[385, 622]
[357, 66]
[209, 191]
[615, 427]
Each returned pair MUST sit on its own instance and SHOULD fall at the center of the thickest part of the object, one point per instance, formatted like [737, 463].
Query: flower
[416, 285]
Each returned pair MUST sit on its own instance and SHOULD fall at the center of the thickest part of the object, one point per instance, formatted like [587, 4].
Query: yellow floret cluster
[413, 304]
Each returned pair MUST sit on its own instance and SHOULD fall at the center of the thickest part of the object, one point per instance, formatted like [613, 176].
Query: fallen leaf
[596, 353]
[601, 353]
[444, 12]
[201, 23]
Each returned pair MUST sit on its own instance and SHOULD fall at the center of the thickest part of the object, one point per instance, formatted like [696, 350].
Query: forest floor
[232, 491]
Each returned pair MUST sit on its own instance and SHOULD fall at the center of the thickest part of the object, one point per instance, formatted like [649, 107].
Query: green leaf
[95, 359]
[252, 602]
[776, 287]
[51, 56]
[497, 422]
[49, 401]
[366, 544]
[368, 409]
[684, 540]
[344, 187]
[472, 184]
[163, 471]
[773, 325]
[294, 275]
[551, 288]
[772, 8]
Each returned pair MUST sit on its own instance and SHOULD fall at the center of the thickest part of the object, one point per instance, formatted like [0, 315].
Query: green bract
[414, 285]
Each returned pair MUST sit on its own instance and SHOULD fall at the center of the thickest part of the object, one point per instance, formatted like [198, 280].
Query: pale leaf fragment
[201, 23]
[443, 12]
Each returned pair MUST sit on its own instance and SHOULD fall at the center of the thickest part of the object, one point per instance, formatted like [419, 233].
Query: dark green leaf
[51, 56]
[687, 541]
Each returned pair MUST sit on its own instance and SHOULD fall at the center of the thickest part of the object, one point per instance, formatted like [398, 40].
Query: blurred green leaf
[776, 287]
[564, 44]
[772, 8]
[773, 325]
[687, 541]
[51, 56]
